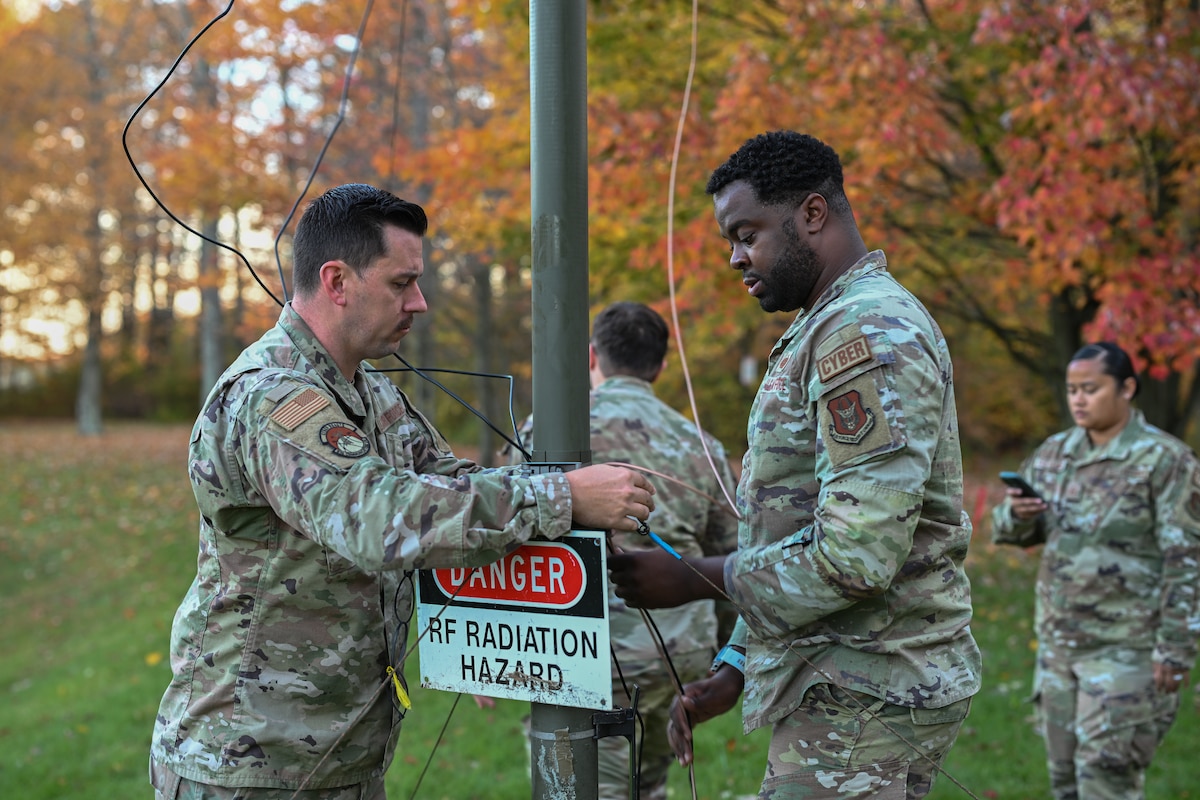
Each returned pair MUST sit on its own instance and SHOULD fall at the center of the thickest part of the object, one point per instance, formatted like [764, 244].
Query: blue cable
[644, 529]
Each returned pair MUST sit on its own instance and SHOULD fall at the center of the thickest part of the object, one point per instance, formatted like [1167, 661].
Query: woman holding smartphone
[1118, 510]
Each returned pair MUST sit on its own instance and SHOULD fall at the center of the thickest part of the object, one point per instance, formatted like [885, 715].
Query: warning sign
[531, 626]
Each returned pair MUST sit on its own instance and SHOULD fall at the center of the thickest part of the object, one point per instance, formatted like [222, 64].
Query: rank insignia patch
[345, 439]
[850, 420]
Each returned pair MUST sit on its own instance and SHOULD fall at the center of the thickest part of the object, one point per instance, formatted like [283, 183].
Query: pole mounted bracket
[548, 467]
[621, 722]
[618, 722]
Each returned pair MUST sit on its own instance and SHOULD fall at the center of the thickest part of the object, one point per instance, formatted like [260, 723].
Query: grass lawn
[97, 546]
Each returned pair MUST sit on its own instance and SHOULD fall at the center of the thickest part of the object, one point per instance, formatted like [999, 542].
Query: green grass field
[97, 545]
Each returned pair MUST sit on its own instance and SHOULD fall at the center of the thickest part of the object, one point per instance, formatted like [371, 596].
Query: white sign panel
[532, 626]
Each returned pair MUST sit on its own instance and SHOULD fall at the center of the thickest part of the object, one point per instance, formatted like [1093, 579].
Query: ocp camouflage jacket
[849, 568]
[1122, 535]
[316, 496]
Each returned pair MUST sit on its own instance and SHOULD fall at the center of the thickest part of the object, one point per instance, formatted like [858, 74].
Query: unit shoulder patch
[852, 420]
[345, 440]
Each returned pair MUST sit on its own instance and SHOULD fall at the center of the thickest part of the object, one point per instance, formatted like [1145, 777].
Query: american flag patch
[299, 408]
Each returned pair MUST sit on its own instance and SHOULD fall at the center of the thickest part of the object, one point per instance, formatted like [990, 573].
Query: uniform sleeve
[878, 426]
[1007, 529]
[1177, 531]
[741, 633]
[323, 477]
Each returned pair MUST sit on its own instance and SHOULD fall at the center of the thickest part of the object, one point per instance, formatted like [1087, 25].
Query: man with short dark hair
[854, 638]
[630, 424]
[321, 488]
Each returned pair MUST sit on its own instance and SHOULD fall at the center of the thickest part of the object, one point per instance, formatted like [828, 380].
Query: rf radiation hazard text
[507, 654]
[531, 626]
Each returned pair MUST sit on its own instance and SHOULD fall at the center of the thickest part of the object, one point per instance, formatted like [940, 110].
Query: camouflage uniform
[630, 424]
[855, 608]
[317, 497]
[1116, 594]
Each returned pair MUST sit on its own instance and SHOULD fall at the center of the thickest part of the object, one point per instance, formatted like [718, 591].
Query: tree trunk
[162, 313]
[238, 320]
[484, 338]
[1070, 310]
[88, 400]
[212, 358]
[424, 394]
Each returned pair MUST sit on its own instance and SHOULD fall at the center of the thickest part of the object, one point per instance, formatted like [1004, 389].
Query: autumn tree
[64, 171]
[1031, 174]
[1041, 159]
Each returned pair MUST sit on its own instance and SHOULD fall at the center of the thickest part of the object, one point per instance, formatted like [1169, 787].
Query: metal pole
[562, 747]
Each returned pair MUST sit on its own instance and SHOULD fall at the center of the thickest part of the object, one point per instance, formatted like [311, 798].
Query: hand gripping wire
[861, 708]
[643, 528]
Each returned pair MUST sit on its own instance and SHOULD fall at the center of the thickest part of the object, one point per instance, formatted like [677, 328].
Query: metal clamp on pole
[622, 722]
[548, 467]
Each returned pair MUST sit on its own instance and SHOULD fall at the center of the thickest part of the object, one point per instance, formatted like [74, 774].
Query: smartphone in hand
[1015, 480]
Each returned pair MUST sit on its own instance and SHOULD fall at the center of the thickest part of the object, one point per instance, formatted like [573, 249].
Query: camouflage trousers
[169, 786]
[654, 701]
[1101, 719]
[844, 744]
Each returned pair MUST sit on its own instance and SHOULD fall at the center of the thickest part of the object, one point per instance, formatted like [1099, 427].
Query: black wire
[639, 744]
[401, 634]
[422, 373]
[342, 107]
[436, 743]
[337, 123]
[141, 178]
[662, 649]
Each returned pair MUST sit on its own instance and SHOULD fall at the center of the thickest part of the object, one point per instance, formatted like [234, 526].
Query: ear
[812, 214]
[591, 357]
[1128, 387]
[333, 281]
[659, 371]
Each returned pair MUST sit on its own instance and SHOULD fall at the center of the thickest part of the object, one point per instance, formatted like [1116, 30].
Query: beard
[793, 275]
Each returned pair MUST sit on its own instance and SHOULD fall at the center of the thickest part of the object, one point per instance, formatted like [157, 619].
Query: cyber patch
[851, 420]
[843, 357]
[345, 440]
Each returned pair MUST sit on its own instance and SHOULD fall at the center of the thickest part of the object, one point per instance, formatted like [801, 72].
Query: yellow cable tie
[400, 693]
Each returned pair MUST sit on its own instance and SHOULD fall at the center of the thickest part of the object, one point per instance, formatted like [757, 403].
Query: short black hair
[346, 224]
[1116, 362]
[783, 168]
[630, 339]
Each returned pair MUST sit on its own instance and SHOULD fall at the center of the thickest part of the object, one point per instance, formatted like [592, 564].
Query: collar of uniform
[624, 383]
[315, 360]
[871, 262]
[1080, 450]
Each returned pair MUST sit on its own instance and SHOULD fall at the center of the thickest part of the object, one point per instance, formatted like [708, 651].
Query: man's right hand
[701, 701]
[605, 497]
[655, 579]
